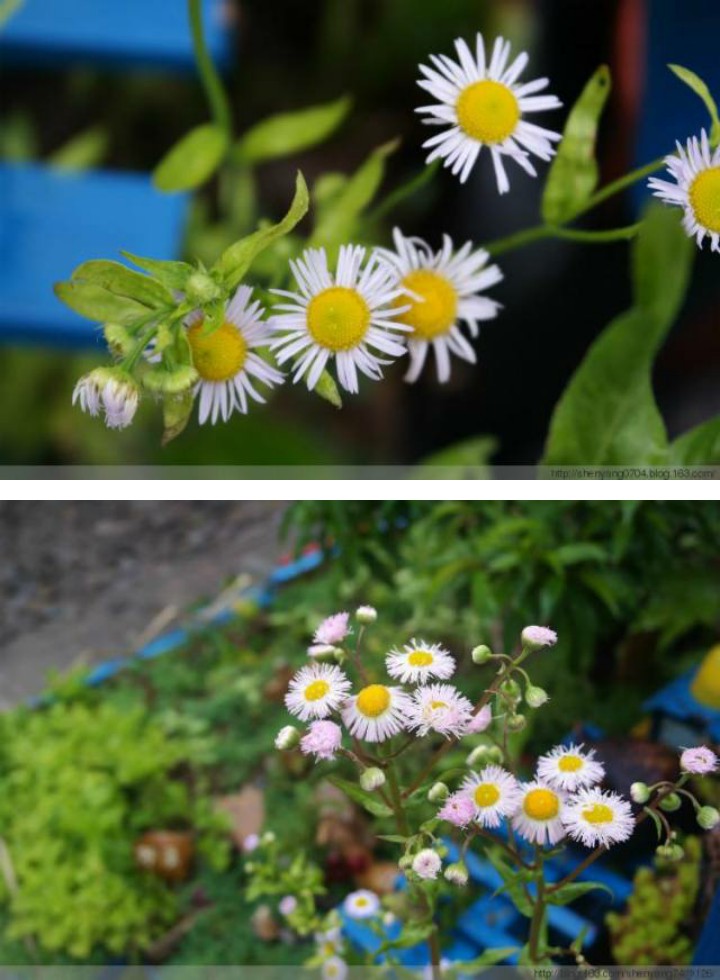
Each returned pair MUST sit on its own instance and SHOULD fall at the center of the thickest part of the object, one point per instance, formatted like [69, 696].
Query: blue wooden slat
[707, 952]
[51, 222]
[146, 33]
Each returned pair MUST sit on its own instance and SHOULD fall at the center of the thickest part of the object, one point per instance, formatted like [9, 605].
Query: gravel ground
[82, 581]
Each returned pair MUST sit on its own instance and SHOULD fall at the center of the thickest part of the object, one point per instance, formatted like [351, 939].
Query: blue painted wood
[677, 700]
[707, 952]
[51, 222]
[144, 33]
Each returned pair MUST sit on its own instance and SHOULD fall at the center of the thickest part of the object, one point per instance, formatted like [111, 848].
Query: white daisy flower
[339, 316]
[484, 105]
[495, 794]
[225, 359]
[595, 817]
[570, 767]
[418, 661]
[377, 712]
[539, 816]
[440, 708]
[316, 691]
[426, 864]
[696, 172]
[362, 904]
[110, 390]
[334, 968]
[442, 289]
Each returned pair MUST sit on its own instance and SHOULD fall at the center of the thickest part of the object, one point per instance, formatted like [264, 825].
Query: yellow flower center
[598, 813]
[362, 901]
[541, 804]
[705, 198]
[436, 310]
[570, 763]
[487, 795]
[488, 111]
[338, 318]
[373, 701]
[316, 690]
[217, 356]
[420, 658]
[435, 705]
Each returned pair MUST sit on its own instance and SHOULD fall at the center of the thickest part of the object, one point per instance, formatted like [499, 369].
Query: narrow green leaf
[235, 261]
[464, 460]
[571, 893]
[656, 820]
[368, 800]
[177, 410]
[118, 279]
[172, 274]
[699, 446]
[327, 388]
[411, 935]
[489, 958]
[699, 87]
[291, 132]
[99, 304]
[573, 175]
[86, 150]
[193, 160]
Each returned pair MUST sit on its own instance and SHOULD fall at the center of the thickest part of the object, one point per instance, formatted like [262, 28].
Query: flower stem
[539, 909]
[622, 183]
[219, 105]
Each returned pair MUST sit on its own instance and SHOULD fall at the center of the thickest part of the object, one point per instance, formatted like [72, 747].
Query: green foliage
[656, 927]
[193, 159]
[700, 89]
[291, 132]
[277, 871]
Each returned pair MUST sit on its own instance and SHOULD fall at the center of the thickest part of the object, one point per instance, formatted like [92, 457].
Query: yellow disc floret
[486, 795]
[420, 658]
[436, 309]
[598, 813]
[338, 318]
[570, 763]
[316, 690]
[541, 804]
[705, 198]
[217, 356]
[488, 111]
[373, 700]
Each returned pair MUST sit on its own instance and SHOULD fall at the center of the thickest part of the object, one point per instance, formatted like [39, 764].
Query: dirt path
[81, 581]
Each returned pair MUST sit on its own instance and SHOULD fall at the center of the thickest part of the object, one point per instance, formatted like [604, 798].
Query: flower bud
[640, 792]
[366, 615]
[438, 792]
[201, 289]
[670, 803]
[268, 837]
[287, 738]
[708, 817]
[536, 697]
[481, 654]
[322, 652]
[495, 754]
[456, 874]
[516, 723]
[405, 862]
[511, 689]
[535, 637]
[372, 779]
[479, 756]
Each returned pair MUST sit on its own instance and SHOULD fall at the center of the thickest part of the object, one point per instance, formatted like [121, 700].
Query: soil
[86, 581]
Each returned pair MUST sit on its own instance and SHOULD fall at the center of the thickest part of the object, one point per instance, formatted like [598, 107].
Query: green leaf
[98, 304]
[656, 820]
[8, 8]
[291, 132]
[371, 803]
[489, 958]
[338, 223]
[235, 261]
[571, 893]
[513, 886]
[573, 175]
[699, 446]
[177, 410]
[607, 414]
[463, 460]
[579, 551]
[411, 935]
[174, 275]
[327, 388]
[82, 152]
[193, 160]
[700, 88]
[392, 838]
[118, 279]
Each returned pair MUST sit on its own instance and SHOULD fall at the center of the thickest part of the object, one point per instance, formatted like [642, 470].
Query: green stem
[518, 239]
[539, 909]
[396, 801]
[622, 183]
[612, 235]
[219, 105]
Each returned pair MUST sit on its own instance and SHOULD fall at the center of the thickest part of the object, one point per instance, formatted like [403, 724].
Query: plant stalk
[217, 98]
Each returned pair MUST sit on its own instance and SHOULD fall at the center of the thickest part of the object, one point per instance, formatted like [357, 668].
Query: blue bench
[112, 33]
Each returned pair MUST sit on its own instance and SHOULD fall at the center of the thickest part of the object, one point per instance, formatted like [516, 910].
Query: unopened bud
[456, 874]
[511, 689]
[640, 792]
[516, 723]
[708, 817]
[366, 615]
[670, 803]
[481, 654]
[372, 779]
[535, 637]
[536, 697]
[438, 792]
[479, 756]
[287, 738]
[201, 289]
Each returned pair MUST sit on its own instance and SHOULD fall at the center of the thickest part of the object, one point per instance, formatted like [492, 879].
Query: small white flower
[456, 874]
[426, 864]
[334, 968]
[442, 289]
[539, 816]
[440, 708]
[330, 942]
[570, 767]
[366, 615]
[484, 105]
[322, 739]
[321, 651]
[495, 794]
[287, 905]
[339, 316]
[362, 904]
[696, 172]
[535, 637]
[595, 817]
[287, 738]
[110, 390]
[250, 843]
[700, 761]
[333, 630]
[377, 712]
[480, 721]
[226, 361]
[418, 661]
[316, 691]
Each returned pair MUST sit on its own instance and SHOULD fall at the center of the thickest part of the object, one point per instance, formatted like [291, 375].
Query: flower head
[366, 615]
[287, 905]
[441, 290]
[696, 172]
[316, 691]
[418, 661]
[287, 738]
[494, 794]
[333, 630]
[539, 816]
[570, 767]
[225, 358]
[440, 708]
[484, 105]
[339, 316]
[426, 864]
[480, 721]
[699, 761]
[377, 712]
[362, 904]
[458, 809]
[535, 637]
[110, 390]
[322, 739]
[334, 968]
[595, 817]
